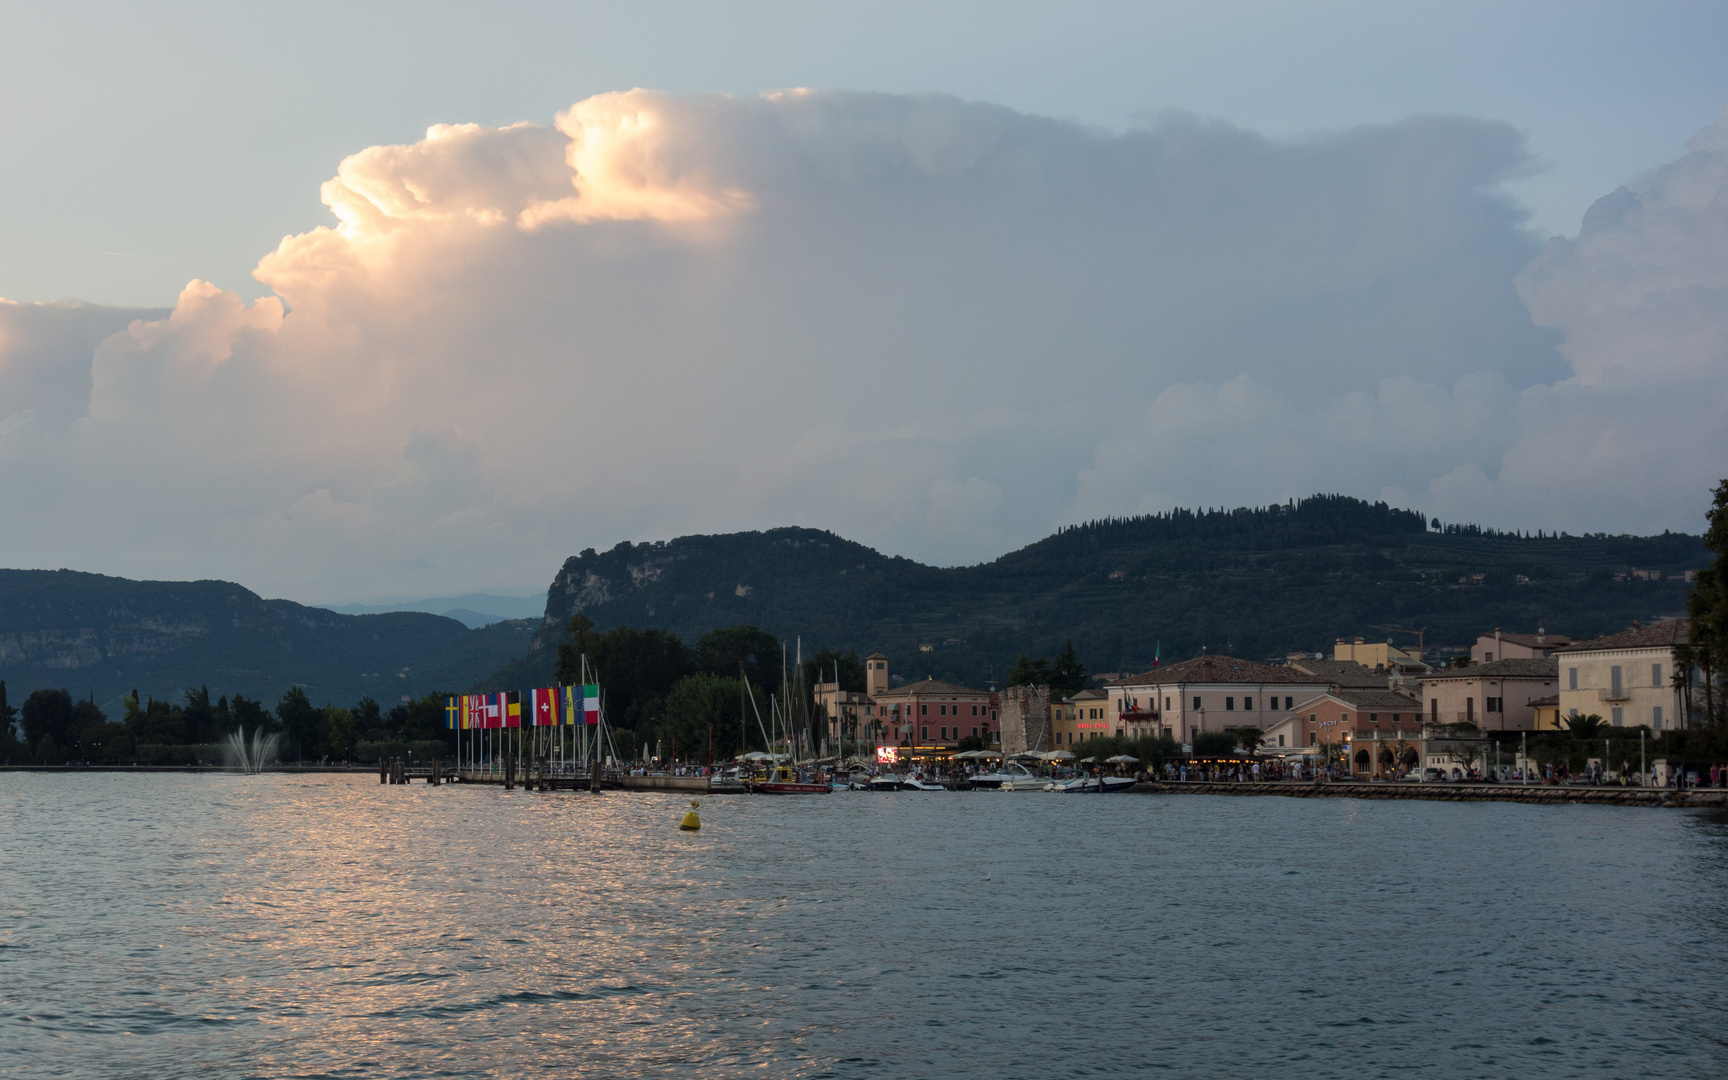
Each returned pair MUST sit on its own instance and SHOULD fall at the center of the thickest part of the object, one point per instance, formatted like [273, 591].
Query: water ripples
[280, 926]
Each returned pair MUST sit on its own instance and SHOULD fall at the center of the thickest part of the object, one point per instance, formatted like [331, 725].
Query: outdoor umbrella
[1123, 759]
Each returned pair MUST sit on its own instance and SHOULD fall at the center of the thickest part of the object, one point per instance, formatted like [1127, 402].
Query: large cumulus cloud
[939, 327]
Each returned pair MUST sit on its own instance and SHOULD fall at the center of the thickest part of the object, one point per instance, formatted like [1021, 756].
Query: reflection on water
[288, 926]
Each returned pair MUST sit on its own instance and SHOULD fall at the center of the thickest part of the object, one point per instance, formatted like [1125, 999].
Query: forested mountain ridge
[1255, 582]
[94, 634]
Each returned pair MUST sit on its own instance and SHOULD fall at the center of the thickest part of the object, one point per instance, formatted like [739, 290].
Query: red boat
[788, 787]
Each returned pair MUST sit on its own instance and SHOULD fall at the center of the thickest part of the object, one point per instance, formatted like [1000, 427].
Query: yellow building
[1079, 718]
[1375, 654]
[1547, 713]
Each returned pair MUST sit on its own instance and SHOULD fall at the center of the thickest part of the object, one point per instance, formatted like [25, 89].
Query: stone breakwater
[1532, 793]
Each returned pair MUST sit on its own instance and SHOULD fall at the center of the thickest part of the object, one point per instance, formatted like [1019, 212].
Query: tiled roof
[1531, 641]
[1552, 699]
[1342, 672]
[1656, 635]
[931, 688]
[1516, 668]
[1218, 669]
[1090, 694]
[1377, 700]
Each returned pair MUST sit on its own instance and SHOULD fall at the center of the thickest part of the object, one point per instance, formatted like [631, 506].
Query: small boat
[887, 782]
[1011, 777]
[788, 787]
[783, 781]
[918, 783]
[1098, 785]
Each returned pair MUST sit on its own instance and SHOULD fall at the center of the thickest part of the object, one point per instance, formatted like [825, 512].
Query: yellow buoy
[691, 822]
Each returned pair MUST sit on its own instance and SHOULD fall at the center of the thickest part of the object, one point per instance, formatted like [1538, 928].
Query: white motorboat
[1097, 785]
[918, 783]
[1011, 777]
[887, 782]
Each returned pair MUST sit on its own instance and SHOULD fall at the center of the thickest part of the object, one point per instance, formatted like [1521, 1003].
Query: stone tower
[1025, 720]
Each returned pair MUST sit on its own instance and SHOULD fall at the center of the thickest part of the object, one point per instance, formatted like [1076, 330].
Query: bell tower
[875, 674]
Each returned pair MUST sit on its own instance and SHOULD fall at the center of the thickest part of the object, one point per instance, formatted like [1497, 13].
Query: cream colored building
[1500, 696]
[1503, 646]
[1625, 678]
[1208, 693]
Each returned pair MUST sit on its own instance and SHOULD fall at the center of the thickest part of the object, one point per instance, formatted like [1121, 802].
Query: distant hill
[1251, 582]
[472, 610]
[90, 633]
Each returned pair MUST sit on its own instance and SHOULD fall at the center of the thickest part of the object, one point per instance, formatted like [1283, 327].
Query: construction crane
[1421, 651]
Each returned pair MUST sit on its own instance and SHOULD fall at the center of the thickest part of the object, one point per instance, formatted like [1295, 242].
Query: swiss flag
[544, 706]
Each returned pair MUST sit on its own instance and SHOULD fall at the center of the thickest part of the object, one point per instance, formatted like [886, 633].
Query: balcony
[1613, 694]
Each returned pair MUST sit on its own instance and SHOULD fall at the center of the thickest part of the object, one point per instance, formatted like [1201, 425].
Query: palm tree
[1584, 728]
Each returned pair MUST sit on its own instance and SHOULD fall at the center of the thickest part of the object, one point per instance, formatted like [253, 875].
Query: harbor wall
[1531, 793]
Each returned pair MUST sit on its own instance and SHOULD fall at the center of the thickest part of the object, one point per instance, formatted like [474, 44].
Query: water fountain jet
[250, 758]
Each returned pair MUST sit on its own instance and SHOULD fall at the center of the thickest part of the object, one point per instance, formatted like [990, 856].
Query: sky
[366, 302]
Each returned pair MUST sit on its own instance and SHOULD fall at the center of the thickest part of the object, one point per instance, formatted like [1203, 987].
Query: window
[974, 733]
[923, 710]
[1280, 740]
[1229, 704]
[1196, 701]
[1311, 738]
[1571, 678]
[1247, 704]
[1492, 704]
[1166, 703]
[1616, 715]
[1289, 703]
[926, 735]
[1656, 718]
[942, 733]
[1373, 718]
[1655, 674]
[1614, 680]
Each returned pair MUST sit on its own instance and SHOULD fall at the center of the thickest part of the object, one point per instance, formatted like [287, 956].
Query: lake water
[168, 925]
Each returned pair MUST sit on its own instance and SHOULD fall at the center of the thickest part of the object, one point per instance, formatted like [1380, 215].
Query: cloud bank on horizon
[937, 327]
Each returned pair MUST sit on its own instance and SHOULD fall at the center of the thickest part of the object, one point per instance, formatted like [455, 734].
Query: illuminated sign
[887, 755]
[1093, 727]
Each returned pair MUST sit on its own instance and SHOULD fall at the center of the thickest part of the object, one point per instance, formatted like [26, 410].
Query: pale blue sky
[147, 144]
